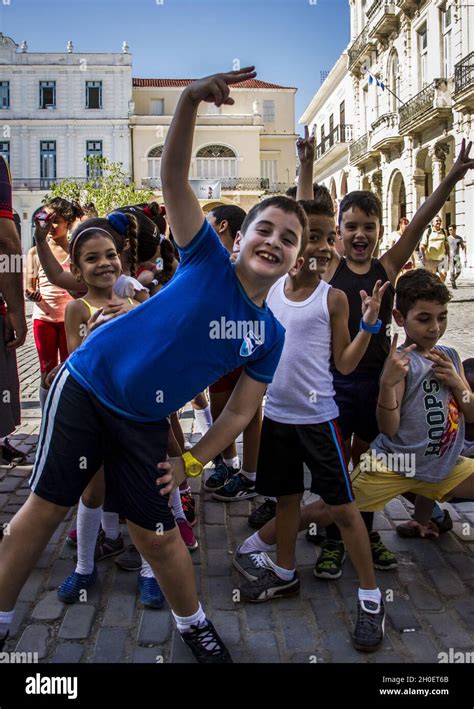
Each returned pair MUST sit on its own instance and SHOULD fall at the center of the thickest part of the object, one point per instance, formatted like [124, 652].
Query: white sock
[43, 395]
[176, 505]
[372, 594]
[88, 523]
[184, 623]
[255, 543]
[284, 574]
[203, 419]
[146, 569]
[249, 476]
[232, 462]
[111, 524]
[6, 619]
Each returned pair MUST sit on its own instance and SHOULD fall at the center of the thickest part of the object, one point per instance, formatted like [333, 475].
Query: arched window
[154, 162]
[215, 162]
[394, 81]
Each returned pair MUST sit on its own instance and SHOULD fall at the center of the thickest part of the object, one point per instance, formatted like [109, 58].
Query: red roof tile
[170, 83]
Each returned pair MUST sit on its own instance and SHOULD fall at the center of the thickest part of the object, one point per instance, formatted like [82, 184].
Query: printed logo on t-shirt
[442, 427]
[250, 344]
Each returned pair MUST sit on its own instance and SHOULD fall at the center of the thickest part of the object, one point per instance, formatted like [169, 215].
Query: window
[342, 113]
[269, 170]
[448, 70]
[331, 129]
[5, 150]
[4, 94]
[93, 94]
[216, 161]
[47, 97]
[154, 165]
[269, 111]
[94, 148]
[157, 106]
[394, 85]
[47, 163]
[423, 54]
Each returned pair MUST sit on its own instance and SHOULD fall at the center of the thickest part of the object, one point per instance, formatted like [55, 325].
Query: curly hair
[68, 210]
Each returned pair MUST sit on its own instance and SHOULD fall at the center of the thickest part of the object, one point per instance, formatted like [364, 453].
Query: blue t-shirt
[202, 325]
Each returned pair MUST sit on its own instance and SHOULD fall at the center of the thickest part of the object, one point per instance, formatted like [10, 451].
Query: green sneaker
[383, 558]
[330, 560]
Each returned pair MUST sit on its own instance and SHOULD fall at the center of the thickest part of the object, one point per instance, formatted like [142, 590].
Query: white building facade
[56, 109]
[411, 64]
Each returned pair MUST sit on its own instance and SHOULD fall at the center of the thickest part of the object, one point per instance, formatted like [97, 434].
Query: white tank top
[302, 391]
[51, 308]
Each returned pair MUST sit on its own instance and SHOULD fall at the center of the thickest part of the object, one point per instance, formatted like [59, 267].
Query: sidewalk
[428, 598]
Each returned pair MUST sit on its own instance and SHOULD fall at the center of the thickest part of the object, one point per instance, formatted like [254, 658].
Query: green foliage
[108, 187]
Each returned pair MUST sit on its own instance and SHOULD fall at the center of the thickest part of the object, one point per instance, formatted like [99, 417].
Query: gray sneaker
[269, 586]
[251, 565]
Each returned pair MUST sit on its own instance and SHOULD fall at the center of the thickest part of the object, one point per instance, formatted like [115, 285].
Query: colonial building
[411, 63]
[248, 147]
[55, 109]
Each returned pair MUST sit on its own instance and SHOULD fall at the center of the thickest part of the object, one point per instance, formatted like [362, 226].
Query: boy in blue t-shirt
[111, 401]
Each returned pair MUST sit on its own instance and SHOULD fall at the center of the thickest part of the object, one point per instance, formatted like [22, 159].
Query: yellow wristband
[192, 467]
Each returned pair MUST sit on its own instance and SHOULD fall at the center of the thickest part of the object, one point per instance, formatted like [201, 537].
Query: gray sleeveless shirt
[431, 434]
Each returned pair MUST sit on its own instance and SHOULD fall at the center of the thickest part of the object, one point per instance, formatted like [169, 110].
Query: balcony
[360, 151]
[232, 184]
[333, 145]
[382, 18]
[385, 132]
[409, 7]
[359, 49]
[40, 184]
[464, 83]
[429, 107]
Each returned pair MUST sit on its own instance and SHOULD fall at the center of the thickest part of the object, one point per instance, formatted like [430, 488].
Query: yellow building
[242, 152]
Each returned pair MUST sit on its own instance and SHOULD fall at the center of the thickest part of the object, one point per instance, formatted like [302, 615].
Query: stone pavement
[428, 598]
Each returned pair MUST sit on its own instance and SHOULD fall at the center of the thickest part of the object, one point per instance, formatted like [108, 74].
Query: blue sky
[289, 41]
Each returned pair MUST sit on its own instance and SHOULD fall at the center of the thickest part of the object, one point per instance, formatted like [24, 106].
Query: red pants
[50, 338]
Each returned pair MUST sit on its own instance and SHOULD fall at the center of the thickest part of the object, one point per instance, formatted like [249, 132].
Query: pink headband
[90, 228]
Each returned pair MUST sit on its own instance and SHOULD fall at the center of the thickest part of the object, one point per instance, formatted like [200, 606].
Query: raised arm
[183, 210]
[305, 147]
[396, 257]
[52, 268]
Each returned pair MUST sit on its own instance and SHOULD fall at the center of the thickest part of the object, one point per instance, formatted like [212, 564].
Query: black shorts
[285, 447]
[356, 397]
[79, 434]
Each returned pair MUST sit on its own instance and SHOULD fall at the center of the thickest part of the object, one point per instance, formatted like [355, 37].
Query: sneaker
[70, 590]
[106, 547]
[382, 557]
[263, 514]
[4, 640]
[206, 645]
[251, 564]
[269, 586]
[219, 477]
[318, 538]
[11, 454]
[370, 626]
[237, 488]
[187, 534]
[130, 560]
[330, 560]
[189, 507]
[444, 525]
[151, 595]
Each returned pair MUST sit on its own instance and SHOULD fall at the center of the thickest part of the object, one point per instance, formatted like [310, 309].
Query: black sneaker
[269, 586]
[263, 514]
[370, 626]
[444, 525]
[4, 640]
[383, 558]
[11, 454]
[219, 477]
[206, 645]
[238, 487]
[330, 560]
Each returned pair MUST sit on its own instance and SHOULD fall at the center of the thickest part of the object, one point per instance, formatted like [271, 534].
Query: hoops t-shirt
[200, 326]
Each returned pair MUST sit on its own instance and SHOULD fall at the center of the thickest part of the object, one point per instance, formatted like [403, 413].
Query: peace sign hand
[216, 88]
[397, 364]
[305, 147]
[444, 369]
[463, 162]
[371, 303]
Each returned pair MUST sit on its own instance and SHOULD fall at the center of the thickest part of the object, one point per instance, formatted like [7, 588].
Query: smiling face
[271, 243]
[321, 243]
[425, 323]
[360, 234]
[97, 261]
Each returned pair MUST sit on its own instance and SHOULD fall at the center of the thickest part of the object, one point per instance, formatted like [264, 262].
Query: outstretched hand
[305, 147]
[216, 88]
[463, 162]
[371, 303]
[43, 227]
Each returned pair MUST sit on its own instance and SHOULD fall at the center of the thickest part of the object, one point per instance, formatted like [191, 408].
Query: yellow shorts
[375, 488]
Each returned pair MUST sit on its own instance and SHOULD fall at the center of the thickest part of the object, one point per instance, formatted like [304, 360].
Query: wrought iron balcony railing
[359, 148]
[464, 73]
[340, 134]
[358, 46]
[430, 98]
[233, 184]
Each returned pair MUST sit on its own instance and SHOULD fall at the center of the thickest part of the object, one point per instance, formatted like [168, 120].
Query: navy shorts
[285, 447]
[356, 397]
[79, 434]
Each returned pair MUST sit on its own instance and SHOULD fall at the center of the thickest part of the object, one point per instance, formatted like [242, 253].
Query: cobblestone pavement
[429, 597]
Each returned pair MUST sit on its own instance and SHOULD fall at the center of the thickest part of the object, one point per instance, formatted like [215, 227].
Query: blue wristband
[374, 329]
